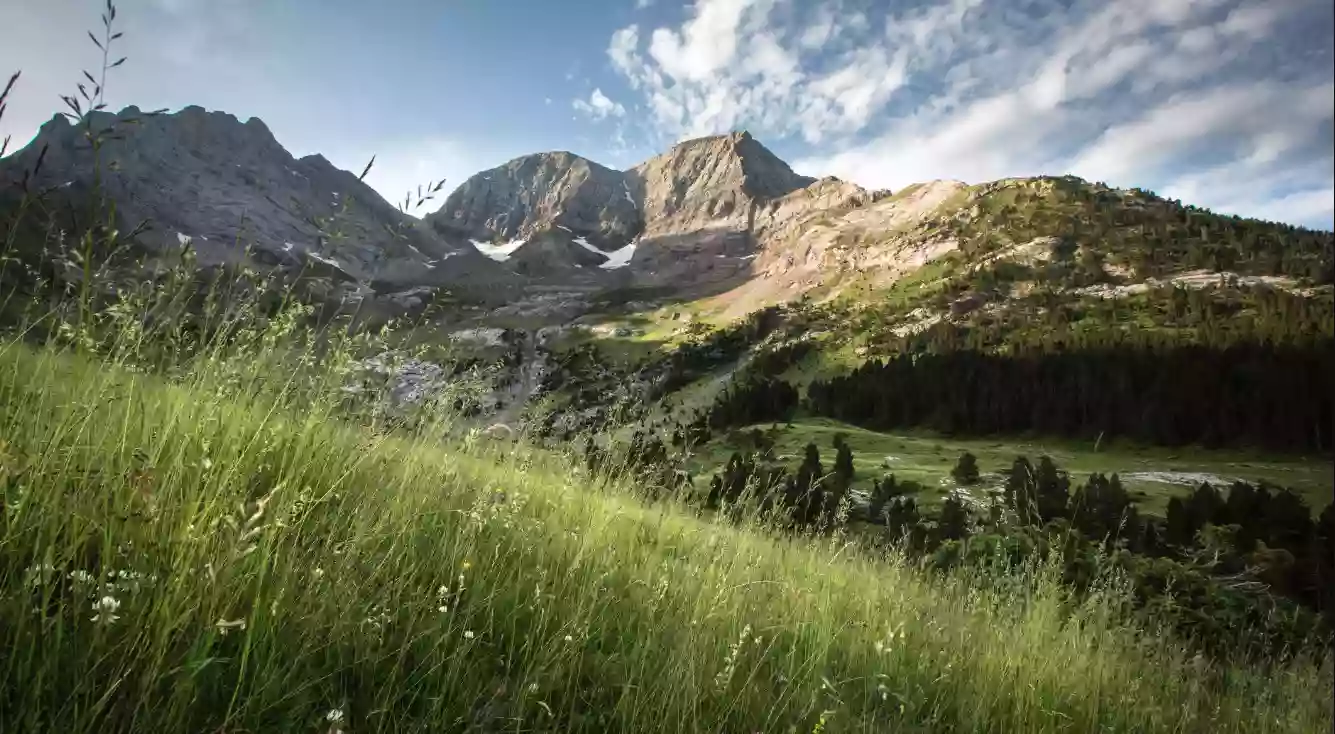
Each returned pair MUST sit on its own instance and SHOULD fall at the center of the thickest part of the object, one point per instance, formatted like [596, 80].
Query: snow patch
[585, 244]
[619, 258]
[499, 253]
[562, 226]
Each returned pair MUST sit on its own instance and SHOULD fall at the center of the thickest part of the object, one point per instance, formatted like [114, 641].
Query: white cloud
[1134, 92]
[733, 63]
[706, 44]
[599, 106]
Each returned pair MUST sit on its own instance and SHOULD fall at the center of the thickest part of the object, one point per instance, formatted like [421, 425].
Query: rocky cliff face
[710, 183]
[231, 192]
[538, 193]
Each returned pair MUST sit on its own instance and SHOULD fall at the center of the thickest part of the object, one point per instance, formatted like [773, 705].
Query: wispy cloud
[1156, 93]
[599, 106]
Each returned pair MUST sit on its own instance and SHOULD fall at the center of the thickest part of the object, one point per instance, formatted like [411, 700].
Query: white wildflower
[334, 716]
[105, 609]
[468, 634]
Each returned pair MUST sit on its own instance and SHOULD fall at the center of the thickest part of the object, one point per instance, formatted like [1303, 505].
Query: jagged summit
[552, 210]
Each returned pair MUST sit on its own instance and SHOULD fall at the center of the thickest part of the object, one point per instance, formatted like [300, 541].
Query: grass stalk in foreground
[175, 559]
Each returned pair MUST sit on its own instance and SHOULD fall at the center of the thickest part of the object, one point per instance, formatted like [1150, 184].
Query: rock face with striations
[700, 203]
[710, 182]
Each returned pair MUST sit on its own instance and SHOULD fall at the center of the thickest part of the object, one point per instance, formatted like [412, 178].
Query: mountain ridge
[719, 217]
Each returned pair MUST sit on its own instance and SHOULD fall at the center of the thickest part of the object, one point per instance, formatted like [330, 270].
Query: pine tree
[843, 461]
[966, 469]
[1052, 490]
[1020, 494]
[953, 522]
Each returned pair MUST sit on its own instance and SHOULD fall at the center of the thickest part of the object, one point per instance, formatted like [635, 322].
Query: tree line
[1251, 395]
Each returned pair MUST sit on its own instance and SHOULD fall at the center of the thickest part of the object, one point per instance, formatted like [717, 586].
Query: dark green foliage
[843, 461]
[753, 401]
[966, 469]
[1274, 397]
[953, 521]
[1102, 509]
[1141, 230]
[692, 360]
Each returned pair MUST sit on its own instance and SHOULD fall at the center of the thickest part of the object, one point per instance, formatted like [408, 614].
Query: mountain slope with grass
[253, 561]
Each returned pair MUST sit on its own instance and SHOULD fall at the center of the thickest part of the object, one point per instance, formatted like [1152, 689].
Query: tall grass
[186, 556]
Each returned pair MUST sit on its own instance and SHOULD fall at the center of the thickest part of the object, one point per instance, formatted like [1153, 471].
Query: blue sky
[1223, 103]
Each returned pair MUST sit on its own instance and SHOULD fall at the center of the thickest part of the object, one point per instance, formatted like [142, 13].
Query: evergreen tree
[843, 461]
[1021, 492]
[882, 491]
[966, 469]
[1052, 490]
[953, 522]
[810, 495]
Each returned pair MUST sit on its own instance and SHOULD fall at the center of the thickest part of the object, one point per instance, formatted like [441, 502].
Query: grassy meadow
[1152, 474]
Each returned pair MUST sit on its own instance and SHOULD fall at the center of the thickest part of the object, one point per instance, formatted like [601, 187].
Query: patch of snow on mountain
[585, 244]
[499, 253]
[619, 258]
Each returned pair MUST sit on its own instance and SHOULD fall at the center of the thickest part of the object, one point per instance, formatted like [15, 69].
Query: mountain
[232, 193]
[718, 220]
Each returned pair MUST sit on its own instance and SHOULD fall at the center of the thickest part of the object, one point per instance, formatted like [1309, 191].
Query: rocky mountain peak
[231, 192]
[538, 193]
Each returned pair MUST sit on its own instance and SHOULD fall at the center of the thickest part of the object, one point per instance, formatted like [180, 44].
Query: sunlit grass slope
[207, 557]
